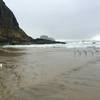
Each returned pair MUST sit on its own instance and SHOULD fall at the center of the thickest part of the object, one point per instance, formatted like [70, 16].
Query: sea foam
[69, 44]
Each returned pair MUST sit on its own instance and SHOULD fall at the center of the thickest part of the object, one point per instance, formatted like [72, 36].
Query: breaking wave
[69, 44]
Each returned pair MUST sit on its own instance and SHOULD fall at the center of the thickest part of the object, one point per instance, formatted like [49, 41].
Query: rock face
[10, 32]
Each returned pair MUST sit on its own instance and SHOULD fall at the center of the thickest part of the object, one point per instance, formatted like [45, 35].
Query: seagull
[1, 65]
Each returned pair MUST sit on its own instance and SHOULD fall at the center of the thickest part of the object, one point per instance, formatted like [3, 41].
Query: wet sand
[49, 74]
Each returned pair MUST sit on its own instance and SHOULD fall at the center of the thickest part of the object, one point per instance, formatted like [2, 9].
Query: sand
[50, 74]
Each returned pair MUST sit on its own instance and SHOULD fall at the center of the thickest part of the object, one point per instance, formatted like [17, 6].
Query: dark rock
[45, 41]
[10, 32]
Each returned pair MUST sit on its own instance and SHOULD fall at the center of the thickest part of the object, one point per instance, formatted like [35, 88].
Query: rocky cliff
[10, 32]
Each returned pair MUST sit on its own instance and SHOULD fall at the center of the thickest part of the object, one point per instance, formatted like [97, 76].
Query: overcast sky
[61, 19]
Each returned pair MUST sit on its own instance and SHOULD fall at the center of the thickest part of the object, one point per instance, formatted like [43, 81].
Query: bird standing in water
[1, 65]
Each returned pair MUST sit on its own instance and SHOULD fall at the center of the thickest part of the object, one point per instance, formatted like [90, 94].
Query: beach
[52, 73]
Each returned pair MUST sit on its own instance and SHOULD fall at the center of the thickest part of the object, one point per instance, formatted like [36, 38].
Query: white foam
[69, 44]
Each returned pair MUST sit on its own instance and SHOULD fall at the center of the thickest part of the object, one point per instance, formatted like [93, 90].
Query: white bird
[1, 65]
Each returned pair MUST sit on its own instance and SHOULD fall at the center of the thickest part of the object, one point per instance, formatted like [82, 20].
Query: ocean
[69, 44]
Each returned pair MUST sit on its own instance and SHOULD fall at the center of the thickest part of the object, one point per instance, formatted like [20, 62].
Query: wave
[69, 44]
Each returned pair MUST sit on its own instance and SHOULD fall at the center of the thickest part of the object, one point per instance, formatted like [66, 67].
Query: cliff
[10, 32]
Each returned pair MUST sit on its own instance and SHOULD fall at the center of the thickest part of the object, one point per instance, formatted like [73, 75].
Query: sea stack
[10, 32]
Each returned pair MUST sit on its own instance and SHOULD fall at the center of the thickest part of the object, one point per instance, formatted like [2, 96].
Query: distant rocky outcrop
[47, 38]
[11, 33]
[44, 39]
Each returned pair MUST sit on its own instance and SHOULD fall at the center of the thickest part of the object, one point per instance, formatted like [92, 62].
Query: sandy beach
[49, 74]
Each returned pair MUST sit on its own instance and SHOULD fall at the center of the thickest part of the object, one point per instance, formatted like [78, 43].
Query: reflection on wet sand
[49, 74]
[87, 52]
[9, 76]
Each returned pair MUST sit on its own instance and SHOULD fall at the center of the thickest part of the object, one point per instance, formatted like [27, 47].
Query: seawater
[69, 44]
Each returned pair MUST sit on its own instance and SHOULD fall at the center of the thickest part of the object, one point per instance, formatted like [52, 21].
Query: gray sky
[61, 19]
